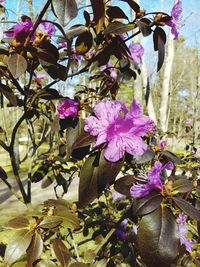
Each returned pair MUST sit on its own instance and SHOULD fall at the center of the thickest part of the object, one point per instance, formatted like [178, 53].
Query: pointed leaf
[133, 5]
[99, 13]
[65, 10]
[123, 184]
[83, 43]
[114, 12]
[144, 27]
[18, 246]
[62, 253]
[50, 222]
[118, 28]
[84, 139]
[35, 249]
[187, 208]
[159, 38]
[17, 65]
[157, 238]
[182, 186]
[19, 222]
[147, 205]
[8, 93]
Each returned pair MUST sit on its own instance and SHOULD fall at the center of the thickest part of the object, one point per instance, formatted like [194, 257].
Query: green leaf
[182, 186]
[45, 263]
[65, 10]
[17, 65]
[50, 222]
[187, 208]
[18, 246]
[19, 222]
[157, 238]
[62, 253]
[147, 205]
[35, 249]
[118, 28]
[123, 184]
[69, 219]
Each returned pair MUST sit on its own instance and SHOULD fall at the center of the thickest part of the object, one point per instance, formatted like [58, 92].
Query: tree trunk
[166, 84]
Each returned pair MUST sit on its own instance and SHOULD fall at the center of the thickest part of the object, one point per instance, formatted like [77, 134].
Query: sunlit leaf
[45, 263]
[84, 42]
[50, 222]
[19, 222]
[65, 10]
[17, 65]
[118, 28]
[18, 246]
[35, 249]
[62, 253]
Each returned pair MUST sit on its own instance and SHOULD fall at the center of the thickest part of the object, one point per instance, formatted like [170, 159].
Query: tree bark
[166, 84]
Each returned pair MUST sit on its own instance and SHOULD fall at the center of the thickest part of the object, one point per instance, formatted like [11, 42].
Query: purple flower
[120, 129]
[39, 77]
[137, 51]
[20, 31]
[163, 144]
[109, 70]
[153, 180]
[183, 231]
[175, 22]
[67, 107]
[47, 27]
[189, 121]
[62, 45]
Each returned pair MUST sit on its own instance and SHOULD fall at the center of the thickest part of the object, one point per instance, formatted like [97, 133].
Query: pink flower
[175, 22]
[121, 130]
[67, 107]
[62, 45]
[47, 28]
[116, 195]
[189, 121]
[153, 180]
[39, 77]
[137, 51]
[20, 31]
[183, 231]
[163, 144]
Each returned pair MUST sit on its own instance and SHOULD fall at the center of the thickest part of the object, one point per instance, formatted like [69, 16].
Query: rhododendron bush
[138, 203]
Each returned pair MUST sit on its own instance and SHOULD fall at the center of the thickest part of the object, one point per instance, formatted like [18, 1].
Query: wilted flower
[137, 51]
[120, 129]
[47, 28]
[183, 231]
[153, 180]
[20, 31]
[67, 108]
[175, 22]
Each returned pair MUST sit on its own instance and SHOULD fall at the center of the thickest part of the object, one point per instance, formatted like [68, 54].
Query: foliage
[117, 228]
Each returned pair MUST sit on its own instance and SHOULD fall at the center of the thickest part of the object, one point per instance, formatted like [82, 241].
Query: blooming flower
[20, 31]
[137, 51]
[153, 180]
[120, 129]
[175, 22]
[46, 27]
[66, 108]
[183, 231]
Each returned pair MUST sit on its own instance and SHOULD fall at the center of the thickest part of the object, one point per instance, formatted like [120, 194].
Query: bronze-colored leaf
[17, 65]
[182, 186]
[62, 253]
[123, 184]
[187, 208]
[35, 249]
[147, 205]
[118, 28]
[19, 222]
[84, 139]
[98, 8]
[159, 39]
[114, 12]
[144, 27]
[84, 43]
[65, 10]
[157, 238]
[56, 71]
[50, 222]
[133, 5]
[69, 219]
[18, 246]
[9, 94]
